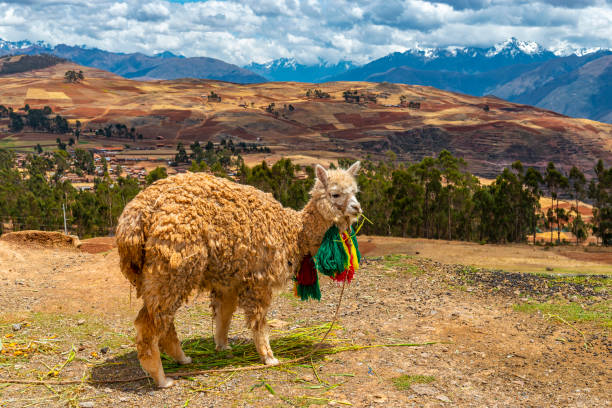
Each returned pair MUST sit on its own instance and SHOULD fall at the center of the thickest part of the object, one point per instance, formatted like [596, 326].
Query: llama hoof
[165, 383]
[271, 361]
[223, 347]
[186, 360]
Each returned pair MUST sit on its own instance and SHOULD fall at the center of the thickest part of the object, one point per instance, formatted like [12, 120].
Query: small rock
[549, 269]
[124, 346]
[104, 350]
[16, 326]
[81, 322]
[423, 389]
[417, 252]
[86, 404]
[308, 378]
[378, 398]
[443, 398]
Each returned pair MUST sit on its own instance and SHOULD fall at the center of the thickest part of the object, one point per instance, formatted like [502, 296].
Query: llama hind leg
[147, 339]
[169, 343]
[224, 306]
[256, 310]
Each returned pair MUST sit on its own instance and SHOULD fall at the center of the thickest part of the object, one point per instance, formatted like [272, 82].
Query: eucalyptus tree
[577, 182]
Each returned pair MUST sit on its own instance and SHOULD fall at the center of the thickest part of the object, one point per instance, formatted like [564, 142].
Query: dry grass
[512, 258]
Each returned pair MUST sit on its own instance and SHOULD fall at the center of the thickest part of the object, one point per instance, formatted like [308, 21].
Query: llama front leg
[224, 306]
[256, 310]
[170, 343]
[262, 342]
[147, 339]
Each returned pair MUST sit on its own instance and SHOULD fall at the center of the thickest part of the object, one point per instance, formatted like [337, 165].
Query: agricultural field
[424, 323]
[488, 132]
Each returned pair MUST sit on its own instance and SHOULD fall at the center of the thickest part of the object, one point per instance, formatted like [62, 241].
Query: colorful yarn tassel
[307, 280]
[338, 257]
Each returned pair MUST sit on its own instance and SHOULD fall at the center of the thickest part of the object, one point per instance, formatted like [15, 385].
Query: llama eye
[336, 195]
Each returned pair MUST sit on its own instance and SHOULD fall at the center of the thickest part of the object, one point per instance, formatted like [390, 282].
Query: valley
[411, 121]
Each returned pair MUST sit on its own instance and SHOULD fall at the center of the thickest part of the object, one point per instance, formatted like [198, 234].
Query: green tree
[16, 122]
[198, 167]
[553, 179]
[84, 160]
[577, 182]
[532, 181]
[74, 76]
[60, 145]
[157, 174]
[600, 191]
[181, 155]
[197, 154]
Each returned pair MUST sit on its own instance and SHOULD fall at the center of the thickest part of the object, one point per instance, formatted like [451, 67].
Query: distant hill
[136, 65]
[573, 82]
[576, 86]
[24, 63]
[523, 72]
[412, 121]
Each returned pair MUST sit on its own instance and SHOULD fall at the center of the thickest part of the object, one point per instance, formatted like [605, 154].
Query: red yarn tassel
[349, 272]
[308, 274]
[307, 280]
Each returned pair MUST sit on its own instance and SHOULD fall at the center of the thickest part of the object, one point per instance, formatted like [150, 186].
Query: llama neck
[313, 229]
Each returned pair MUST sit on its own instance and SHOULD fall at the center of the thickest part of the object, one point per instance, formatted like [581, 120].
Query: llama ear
[321, 174]
[354, 169]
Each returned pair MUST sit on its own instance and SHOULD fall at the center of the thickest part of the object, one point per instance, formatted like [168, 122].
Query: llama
[194, 231]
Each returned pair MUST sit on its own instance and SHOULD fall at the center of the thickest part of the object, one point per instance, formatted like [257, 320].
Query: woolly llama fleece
[195, 231]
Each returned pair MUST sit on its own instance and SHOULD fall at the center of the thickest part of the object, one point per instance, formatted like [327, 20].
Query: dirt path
[487, 352]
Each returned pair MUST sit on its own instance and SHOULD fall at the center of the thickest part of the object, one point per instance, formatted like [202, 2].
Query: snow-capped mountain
[289, 69]
[513, 47]
[565, 50]
[9, 47]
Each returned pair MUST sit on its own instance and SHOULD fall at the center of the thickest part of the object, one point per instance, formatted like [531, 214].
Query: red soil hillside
[179, 110]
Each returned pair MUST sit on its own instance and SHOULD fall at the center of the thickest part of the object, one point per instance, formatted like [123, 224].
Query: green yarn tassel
[305, 292]
[331, 258]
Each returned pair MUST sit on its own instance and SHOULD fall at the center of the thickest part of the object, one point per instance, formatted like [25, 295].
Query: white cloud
[10, 17]
[260, 30]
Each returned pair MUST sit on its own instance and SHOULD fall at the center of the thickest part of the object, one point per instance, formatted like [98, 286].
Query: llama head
[335, 195]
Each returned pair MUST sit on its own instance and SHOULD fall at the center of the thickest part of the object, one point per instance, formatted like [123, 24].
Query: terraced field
[488, 132]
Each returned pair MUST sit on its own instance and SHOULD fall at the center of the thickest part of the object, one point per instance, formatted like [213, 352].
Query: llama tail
[131, 246]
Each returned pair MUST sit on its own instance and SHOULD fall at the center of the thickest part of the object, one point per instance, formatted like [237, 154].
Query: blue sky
[241, 31]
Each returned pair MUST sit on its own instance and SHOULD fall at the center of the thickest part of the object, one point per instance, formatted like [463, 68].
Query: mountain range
[289, 69]
[165, 65]
[574, 82]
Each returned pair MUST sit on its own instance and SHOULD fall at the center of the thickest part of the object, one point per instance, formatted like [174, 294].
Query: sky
[242, 31]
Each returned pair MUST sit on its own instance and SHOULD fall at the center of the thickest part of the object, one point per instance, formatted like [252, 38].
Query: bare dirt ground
[495, 343]
[512, 257]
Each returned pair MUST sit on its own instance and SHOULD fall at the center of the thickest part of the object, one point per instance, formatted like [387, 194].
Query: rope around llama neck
[191, 373]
